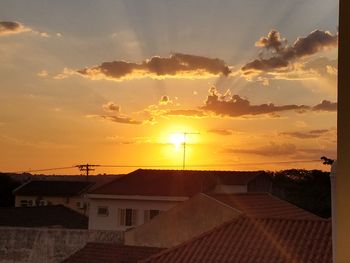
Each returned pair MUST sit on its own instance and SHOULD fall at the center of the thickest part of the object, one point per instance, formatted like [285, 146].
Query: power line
[161, 166]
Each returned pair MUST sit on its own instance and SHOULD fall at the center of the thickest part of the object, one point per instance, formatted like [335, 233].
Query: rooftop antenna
[184, 152]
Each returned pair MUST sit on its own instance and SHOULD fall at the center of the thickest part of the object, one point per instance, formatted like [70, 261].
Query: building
[204, 212]
[141, 195]
[53, 192]
[253, 240]
[111, 253]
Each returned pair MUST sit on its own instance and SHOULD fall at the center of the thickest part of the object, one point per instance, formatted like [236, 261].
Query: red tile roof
[256, 240]
[172, 182]
[110, 253]
[52, 188]
[263, 205]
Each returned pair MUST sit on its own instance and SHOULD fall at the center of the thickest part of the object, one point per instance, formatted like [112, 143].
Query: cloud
[164, 100]
[121, 119]
[272, 41]
[116, 118]
[9, 27]
[12, 27]
[186, 112]
[111, 107]
[326, 105]
[272, 149]
[221, 131]
[305, 134]
[279, 55]
[235, 106]
[177, 65]
[42, 73]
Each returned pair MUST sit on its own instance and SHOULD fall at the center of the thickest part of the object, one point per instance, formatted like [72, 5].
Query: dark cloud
[177, 65]
[111, 106]
[272, 41]
[326, 105]
[235, 106]
[9, 27]
[164, 100]
[284, 54]
[186, 112]
[272, 149]
[305, 134]
[221, 131]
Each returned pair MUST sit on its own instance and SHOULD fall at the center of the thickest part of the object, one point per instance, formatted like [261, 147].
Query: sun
[177, 139]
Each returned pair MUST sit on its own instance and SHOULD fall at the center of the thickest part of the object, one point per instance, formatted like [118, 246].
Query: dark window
[153, 213]
[128, 217]
[102, 211]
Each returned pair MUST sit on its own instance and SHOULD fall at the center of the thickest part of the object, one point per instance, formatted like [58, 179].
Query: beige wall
[110, 222]
[191, 218]
[70, 202]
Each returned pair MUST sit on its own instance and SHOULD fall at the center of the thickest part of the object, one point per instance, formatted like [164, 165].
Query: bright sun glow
[177, 139]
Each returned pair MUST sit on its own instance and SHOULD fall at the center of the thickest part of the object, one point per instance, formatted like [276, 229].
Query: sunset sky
[114, 82]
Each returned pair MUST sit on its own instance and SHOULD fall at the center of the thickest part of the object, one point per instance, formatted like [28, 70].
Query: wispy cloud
[115, 118]
[271, 149]
[221, 131]
[13, 27]
[311, 134]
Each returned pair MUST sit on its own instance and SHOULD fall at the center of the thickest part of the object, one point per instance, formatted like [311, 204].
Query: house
[53, 192]
[141, 195]
[111, 253]
[253, 240]
[204, 212]
[57, 216]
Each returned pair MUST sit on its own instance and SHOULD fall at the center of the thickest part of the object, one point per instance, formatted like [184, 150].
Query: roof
[52, 188]
[110, 253]
[172, 182]
[262, 240]
[42, 216]
[263, 205]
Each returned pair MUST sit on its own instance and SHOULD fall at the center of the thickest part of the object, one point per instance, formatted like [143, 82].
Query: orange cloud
[9, 27]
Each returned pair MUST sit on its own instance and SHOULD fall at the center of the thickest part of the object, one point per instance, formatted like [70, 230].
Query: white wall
[110, 222]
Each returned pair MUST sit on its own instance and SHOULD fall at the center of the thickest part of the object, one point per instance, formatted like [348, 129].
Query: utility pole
[184, 152]
[86, 168]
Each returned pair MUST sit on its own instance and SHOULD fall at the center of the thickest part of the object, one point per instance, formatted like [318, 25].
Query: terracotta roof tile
[110, 253]
[172, 182]
[263, 205]
[262, 240]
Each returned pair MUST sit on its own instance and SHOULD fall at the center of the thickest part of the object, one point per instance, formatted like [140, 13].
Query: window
[25, 203]
[102, 211]
[42, 203]
[150, 214]
[127, 217]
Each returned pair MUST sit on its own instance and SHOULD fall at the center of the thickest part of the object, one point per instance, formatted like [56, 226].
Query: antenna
[184, 153]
